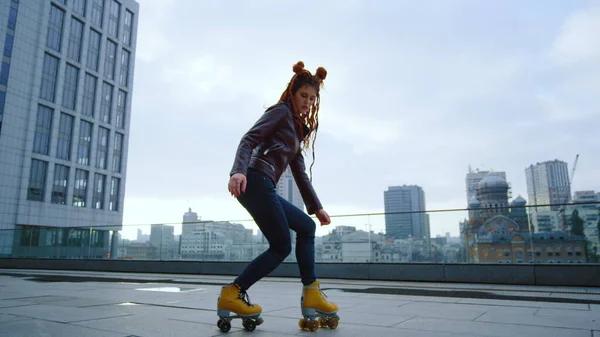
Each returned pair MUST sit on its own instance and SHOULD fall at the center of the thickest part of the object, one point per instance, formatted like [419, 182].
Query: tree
[598, 226]
[577, 224]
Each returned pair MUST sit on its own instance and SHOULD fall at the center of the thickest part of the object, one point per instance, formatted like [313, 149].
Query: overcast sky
[416, 92]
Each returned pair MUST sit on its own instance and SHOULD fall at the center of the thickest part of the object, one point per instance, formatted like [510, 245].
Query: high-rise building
[287, 189]
[163, 238]
[548, 187]
[66, 83]
[404, 212]
[548, 184]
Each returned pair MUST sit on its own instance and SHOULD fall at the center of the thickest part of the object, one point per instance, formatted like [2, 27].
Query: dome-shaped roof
[474, 202]
[519, 201]
[493, 180]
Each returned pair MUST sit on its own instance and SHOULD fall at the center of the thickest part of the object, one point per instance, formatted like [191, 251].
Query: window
[75, 37]
[79, 7]
[59, 187]
[49, 77]
[121, 104]
[43, 125]
[117, 149]
[70, 88]
[65, 136]
[102, 148]
[93, 50]
[37, 180]
[98, 199]
[80, 189]
[53, 38]
[85, 143]
[124, 74]
[12, 18]
[113, 19]
[127, 28]
[30, 235]
[8, 45]
[89, 95]
[2, 101]
[109, 64]
[97, 12]
[113, 203]
[106, 103]
[4, 73]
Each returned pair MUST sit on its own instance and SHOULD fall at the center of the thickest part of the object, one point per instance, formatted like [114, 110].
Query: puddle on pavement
[171, 289]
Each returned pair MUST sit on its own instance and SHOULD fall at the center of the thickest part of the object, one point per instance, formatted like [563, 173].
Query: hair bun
[298, 67]
[321, 73]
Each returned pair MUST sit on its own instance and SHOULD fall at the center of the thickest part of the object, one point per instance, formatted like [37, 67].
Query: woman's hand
[323, 217]
[237, 184]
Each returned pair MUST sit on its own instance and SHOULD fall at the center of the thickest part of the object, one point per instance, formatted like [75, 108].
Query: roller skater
[275, 142]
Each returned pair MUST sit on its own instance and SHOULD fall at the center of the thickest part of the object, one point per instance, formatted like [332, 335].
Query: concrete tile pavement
[50, 303]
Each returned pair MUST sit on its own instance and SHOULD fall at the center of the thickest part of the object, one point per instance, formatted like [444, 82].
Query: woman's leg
[263, 204]
[305, 228]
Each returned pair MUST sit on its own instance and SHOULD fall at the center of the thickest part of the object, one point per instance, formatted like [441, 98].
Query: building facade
[548, 187]
[498, 231]
[65, 104]
[405, 212]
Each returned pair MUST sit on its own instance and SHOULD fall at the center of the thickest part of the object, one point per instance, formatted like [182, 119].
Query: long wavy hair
[306, 124]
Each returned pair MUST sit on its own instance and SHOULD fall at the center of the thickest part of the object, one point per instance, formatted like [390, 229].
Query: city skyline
[378, 225]
[415, 93]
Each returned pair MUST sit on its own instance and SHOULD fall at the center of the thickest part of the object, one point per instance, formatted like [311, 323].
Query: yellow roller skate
[317, 310]
[235, 300]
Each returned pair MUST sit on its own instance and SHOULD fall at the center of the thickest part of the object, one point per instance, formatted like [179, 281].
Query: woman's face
[304, 98]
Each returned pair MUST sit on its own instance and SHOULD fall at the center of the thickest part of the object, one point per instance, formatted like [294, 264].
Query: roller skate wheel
[303, 324]
[332, 323]
[225, 326]
[313, 325]
[249, 325]
[322, 322]
[259, 321]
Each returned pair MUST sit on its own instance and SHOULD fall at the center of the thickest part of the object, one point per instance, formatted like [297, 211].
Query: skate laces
[245, 298]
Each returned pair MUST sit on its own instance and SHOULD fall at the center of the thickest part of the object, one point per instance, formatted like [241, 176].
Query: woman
[275, 141]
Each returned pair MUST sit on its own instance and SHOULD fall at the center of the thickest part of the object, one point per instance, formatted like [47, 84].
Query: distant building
[498, 231]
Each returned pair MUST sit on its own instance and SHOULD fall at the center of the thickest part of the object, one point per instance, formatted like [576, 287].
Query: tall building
[409, 202]
[547, 185]
[190, 217]
[163, 238]
[287, 189]
[472, 181]
[65, 100]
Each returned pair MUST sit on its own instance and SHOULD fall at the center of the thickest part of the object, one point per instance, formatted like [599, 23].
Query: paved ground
[55, 303]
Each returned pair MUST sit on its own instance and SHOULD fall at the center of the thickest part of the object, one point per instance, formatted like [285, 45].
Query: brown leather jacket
[270, 146]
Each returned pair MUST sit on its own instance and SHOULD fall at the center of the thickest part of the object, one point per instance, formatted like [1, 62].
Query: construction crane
[561, 211]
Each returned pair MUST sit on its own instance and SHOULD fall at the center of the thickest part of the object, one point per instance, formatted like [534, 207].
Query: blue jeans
[275, 216]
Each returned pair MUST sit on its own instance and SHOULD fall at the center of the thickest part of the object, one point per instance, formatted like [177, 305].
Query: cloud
[578, 41]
